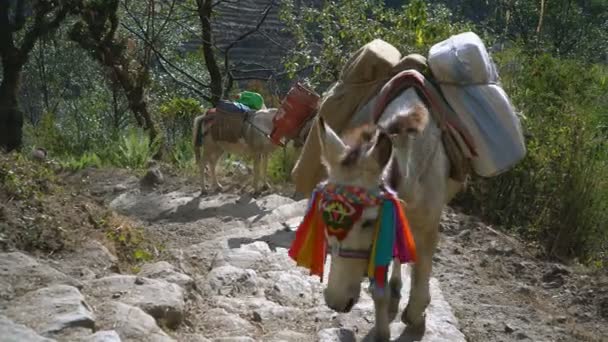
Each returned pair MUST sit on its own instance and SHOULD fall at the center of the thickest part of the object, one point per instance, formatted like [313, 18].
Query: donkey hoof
[382, 335]
[415, 325]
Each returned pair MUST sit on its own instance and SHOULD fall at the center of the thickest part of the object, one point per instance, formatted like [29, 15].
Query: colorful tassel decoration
[333, 210]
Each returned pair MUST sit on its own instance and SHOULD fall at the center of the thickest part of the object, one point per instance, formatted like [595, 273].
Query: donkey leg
[382, 326]
[213, 157]
[201, 169]
[394, 285]
[264, 171]
[420, 296]
[257, 163]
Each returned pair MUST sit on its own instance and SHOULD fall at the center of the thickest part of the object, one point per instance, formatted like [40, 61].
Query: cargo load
[226, 121]
[296, 109]
[251, 99]
[360, 80]
[469, 81]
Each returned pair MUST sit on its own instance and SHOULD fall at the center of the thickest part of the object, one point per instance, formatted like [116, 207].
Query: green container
[251, 99]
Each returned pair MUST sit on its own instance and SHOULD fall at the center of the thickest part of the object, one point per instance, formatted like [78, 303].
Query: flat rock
[92, 259]
[258, 308]
[193, 338]
[161, 299]
[103, 336]
[131, 323]
[167, 272]
[336, 335]
[15, 332]
[273, 201]
[281, 214]
[290, 336]
[224, 324]
[234, 339]
[288, 288]
[52, 309]
[20, 273]
[230, 280]
[246, 256]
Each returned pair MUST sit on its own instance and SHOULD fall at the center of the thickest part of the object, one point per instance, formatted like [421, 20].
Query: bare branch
[41, 26]
[161, 57]
[184, 84]
[219, 2]
[255, 29]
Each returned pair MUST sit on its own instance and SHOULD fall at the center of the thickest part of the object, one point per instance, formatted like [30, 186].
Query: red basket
[298, 106]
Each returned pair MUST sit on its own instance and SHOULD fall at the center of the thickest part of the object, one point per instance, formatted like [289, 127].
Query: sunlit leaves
[330, 34]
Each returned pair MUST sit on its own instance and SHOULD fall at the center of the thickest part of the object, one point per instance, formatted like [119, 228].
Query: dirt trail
[223, 275]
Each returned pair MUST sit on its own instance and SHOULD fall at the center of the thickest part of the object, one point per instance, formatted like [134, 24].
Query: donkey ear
[332, 146]
[382, 149]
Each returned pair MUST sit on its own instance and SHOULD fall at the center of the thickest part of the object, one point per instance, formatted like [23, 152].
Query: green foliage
[182, 155]
[558, 194]
[177, 115]
[130, 241]
[569, 28]
[325, 38]
[280, 164]
[134, 150]
[24, 224]
[22, 179]
[86, 160]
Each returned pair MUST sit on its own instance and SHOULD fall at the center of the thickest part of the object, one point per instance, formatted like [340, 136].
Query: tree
[324, 38]
[18, 35]
[222, 82]
[96, 31]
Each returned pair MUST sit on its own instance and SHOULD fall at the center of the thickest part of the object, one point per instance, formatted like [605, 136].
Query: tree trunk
[11, 117]
[205, 9]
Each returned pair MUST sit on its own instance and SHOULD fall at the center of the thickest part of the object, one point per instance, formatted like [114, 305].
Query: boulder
[52, 309]
[103, 336]
[20, 273]
[230, 280]
[159, 298]
[223, 323]
[131, 323]
[167, 272]
[14, 332]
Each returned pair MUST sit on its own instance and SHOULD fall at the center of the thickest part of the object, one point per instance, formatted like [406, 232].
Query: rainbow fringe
[392, 239]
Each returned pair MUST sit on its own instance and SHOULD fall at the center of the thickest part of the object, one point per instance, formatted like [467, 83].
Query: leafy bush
[134, 150]
[88, 159]
[182, 155]
[24, 180]
[326, 37]
[177, 115]
[558, 194]
[281, 163]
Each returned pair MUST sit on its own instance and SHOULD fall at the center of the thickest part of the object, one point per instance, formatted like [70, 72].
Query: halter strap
[353, 253]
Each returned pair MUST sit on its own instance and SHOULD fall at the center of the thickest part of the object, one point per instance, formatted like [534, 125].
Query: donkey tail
[198, 133]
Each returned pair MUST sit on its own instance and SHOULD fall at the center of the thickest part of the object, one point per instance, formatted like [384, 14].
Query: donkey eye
[368, 224]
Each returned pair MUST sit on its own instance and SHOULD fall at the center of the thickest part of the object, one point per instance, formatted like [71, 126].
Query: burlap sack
[360, 79]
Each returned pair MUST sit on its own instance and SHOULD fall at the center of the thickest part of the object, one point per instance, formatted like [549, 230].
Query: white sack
[469, 81]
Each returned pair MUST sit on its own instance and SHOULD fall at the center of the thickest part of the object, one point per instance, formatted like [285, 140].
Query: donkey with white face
[360, 165]
[419, 170]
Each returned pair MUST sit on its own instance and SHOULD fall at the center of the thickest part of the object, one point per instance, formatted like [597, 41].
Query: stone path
[235, 284]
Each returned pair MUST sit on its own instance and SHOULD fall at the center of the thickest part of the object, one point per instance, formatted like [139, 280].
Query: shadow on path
[280, 238]
[243, 208]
